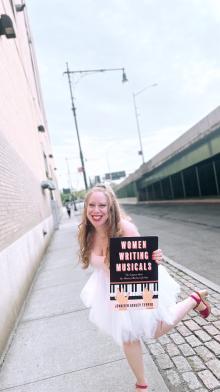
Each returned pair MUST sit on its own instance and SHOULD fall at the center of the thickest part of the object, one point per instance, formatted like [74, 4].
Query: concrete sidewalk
[55, 347]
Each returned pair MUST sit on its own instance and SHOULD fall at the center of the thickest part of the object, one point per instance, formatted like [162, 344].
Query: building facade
[30, 202]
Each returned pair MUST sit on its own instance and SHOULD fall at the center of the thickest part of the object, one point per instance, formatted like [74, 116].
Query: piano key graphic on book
[135, 290]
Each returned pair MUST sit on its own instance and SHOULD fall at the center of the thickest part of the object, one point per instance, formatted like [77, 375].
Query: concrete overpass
[187, 168]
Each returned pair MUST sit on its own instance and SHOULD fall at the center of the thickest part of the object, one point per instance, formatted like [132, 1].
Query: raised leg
[180, 310]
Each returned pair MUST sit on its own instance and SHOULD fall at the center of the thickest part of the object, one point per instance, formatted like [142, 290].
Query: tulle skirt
[131, 324]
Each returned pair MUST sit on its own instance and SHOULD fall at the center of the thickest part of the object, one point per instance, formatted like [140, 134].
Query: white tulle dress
[131, 324]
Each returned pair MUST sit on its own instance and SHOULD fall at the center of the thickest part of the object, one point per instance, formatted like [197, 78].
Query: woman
[102, 219]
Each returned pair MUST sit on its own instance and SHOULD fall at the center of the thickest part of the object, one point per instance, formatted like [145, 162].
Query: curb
[194, 275]
[170, 202]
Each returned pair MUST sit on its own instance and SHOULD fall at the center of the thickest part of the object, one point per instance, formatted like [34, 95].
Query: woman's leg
[180, 310]
[134, 357]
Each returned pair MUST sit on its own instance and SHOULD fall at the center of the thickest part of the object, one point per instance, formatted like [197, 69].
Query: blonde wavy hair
[86, 230]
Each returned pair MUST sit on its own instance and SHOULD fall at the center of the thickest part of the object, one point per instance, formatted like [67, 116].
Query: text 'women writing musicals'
[133, 273]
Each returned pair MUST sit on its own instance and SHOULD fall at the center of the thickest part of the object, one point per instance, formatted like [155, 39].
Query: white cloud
[200, 77]
[173, 43]
[109, 155]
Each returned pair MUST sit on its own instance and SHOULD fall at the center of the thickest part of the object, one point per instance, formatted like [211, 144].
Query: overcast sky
[174, 43]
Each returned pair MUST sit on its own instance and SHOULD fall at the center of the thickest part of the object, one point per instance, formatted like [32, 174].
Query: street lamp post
[87, 71]
[76, 126]
[141, 152]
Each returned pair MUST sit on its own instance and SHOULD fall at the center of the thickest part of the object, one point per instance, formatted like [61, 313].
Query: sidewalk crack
[62, 374]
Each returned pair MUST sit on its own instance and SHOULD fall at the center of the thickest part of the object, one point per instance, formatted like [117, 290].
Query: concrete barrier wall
[128, 200]
[18, 265]
[26, 159]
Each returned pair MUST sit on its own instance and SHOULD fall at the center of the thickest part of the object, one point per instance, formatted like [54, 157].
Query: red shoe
[141, 386]
[205, 312]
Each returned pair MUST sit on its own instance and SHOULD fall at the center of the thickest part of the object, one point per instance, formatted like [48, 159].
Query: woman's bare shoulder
[129, 229]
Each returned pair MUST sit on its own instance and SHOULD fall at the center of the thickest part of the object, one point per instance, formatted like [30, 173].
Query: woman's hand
[157, 256]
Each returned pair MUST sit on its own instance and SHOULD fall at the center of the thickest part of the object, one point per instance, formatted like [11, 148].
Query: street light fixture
[86, 71]
[140, 152]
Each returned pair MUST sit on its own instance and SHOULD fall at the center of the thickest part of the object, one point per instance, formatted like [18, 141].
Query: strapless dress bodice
[96, 260]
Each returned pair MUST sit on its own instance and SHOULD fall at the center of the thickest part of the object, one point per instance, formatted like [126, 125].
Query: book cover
[133, 273]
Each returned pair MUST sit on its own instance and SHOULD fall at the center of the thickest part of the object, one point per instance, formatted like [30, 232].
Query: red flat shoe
[141, 386]
[205, 312]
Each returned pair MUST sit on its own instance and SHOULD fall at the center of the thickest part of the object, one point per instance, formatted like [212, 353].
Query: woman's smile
[97, 209]
[96, 217]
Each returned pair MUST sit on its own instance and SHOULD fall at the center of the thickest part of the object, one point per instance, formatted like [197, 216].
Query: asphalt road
[188, 234]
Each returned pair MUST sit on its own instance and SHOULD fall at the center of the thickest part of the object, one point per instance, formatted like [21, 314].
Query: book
[133, 273]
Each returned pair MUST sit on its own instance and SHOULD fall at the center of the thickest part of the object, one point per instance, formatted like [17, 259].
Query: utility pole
[68, 72]
[87, 71]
